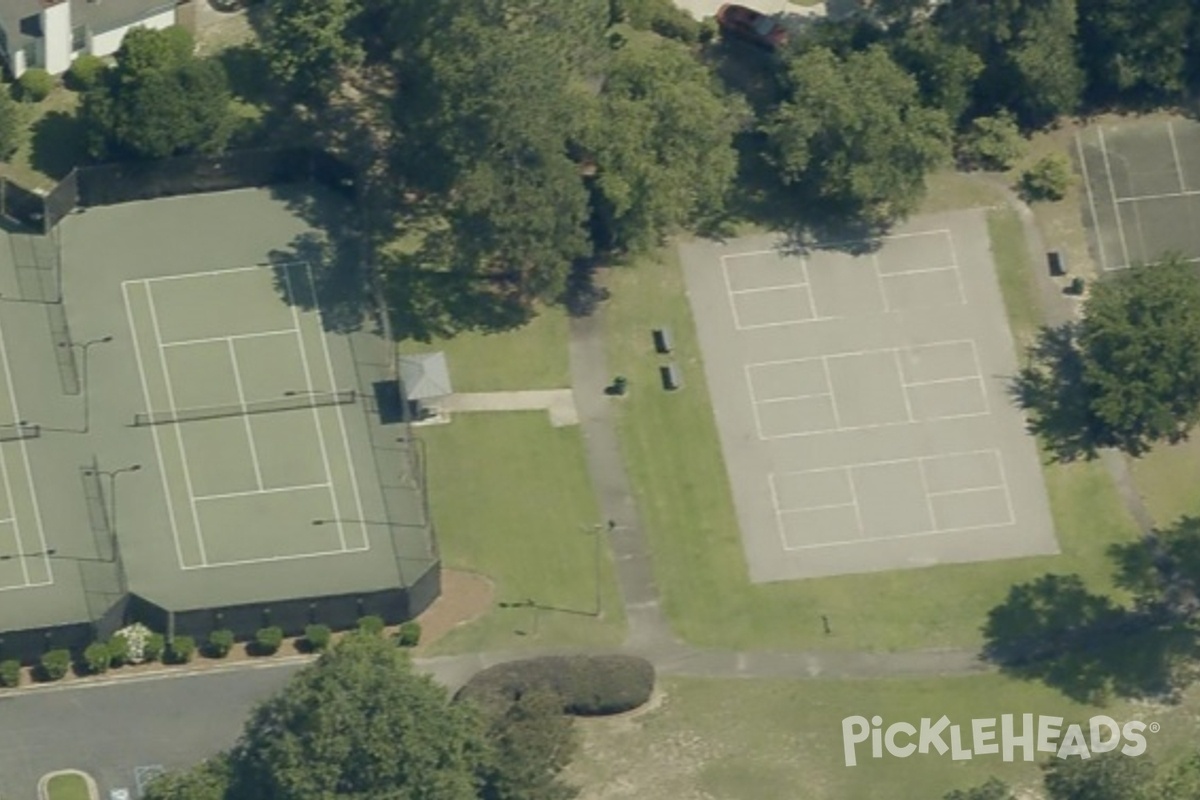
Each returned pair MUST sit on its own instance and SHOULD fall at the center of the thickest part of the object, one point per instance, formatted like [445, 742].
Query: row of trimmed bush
[588, 685]
[36, 84]
[99, 657]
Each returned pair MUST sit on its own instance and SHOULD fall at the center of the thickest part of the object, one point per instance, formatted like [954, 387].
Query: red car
[753, 26]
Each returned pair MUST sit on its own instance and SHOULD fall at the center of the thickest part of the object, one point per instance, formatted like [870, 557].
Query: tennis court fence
[288, 403]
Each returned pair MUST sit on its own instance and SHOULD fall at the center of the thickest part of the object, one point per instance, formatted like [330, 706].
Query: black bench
[672, 378]
[1058, 264]
[663, 342]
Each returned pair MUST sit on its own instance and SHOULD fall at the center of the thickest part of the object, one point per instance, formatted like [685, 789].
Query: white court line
[212, 339]
[1113, 191]
[922, 271]
[974, 490]
[812, 300]
[778, 514]
[785, 323]
[887, 462]
[137, 352]
[962, 379]
[1175, 157]
[933, 520]
[760, 289]
[837, 417]
[850, 353]
[903, 386]
[827, 506]
[1012, 514]
[341, 417]
[852, 428]
[854, 500]
[237, 380]
[1168, 196]
[277, 559]
[919, 535]
[833, 244]
[37, 511]
[887, 304]
[308, 381]
[753, 402]
[749, 253]
[187, 474]
[785, 399]
[962, 291]
[8, 492]
[202, 274]
[987, 403]
[737, 320]
[1087, 185]
[275, 490]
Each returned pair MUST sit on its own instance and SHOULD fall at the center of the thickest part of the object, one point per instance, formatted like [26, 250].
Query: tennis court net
[287, 403]
[11, 433]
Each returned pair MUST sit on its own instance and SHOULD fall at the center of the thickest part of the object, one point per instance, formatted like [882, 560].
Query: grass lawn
[54, 144]
[67, 787]
[532, 357]
[673, 453]
[510, 495]
[1168, 479]
[778, 740]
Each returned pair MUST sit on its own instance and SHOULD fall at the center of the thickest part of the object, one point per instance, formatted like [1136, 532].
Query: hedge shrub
[1048, 179]
[317, 637]
[55, 664]
[220, 642]
[155, 647]
[660, 16]
[10, 673]
[588, 685]
[372, 625]
[181, 650]
[97, 658]
[85, 72]
[118, 651]
[35, 84]
[268, 640]
[409, 634]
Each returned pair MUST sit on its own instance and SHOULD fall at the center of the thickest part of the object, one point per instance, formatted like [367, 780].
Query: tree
[1104, 776]
[1048, 179]
[13, 125]
[359, 723]
[308, 43]
[1139, 343]
[945, 71]
[1135, 50]
[159, 101]
[662, 141]
[991, 143]
[533, 743]
[1162, 571]
[992, 789]
[208, 780]
[855, 135]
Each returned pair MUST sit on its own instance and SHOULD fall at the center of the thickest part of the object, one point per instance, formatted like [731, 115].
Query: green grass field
[779, 740]
[532, 357]
[673, 453]
[1167, 478]
[509, 495]
[67, 787]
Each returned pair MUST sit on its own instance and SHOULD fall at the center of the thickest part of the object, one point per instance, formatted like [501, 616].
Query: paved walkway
[560, 403]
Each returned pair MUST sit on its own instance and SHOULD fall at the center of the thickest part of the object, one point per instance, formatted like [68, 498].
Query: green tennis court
[248, 423]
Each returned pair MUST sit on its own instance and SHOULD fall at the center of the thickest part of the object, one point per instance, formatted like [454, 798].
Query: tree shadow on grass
[1055, 631]
[58, 145]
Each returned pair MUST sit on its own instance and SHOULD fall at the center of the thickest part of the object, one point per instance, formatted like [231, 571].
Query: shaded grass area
[1168, 479]
[767, 739]
[55, 143]
[512, 500]
[673, 453]
[531, 357]
[67, 787]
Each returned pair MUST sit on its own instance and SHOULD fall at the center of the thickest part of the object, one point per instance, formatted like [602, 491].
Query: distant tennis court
[1142, 186]
[241, 399]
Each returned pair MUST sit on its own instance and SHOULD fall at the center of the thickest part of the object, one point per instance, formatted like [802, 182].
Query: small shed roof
[425, 376]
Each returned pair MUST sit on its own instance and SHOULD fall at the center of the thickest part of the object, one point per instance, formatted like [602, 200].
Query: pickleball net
[298, 401]
[20, 430]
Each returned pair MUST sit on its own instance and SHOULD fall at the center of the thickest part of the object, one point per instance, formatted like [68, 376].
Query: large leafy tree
[992, 789]
[1139, 344]
[159, 101]
[1135, 50]
[662, 141]
[307, 44]
[945, 71]
[208, 780]
[359, 724]
[855, 134]
[1106, 776]
[533, 742]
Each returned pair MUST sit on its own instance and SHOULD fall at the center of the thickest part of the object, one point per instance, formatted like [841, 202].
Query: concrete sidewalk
[560, 403]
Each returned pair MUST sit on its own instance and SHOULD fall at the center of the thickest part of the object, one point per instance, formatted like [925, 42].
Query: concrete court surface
[861, 402]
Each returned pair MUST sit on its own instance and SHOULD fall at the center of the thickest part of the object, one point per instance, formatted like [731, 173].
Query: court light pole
[112, 476]
[85, 349]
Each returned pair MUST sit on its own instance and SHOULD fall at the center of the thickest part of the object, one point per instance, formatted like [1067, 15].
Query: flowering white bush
[135, 636]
